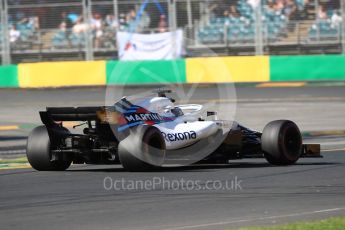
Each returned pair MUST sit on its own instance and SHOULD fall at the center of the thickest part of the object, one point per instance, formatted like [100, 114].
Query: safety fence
[59, 30]
[190, 70]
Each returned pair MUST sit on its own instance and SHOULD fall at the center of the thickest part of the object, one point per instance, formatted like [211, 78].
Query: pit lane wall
[190, 70]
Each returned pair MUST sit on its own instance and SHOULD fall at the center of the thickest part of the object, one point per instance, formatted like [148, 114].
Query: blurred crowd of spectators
[290, 8]
[329, 13]
[277, 16]
[22, 28]
[328, 22]
[72, 27]
[68, 27]
[240, 18]
[228, 8]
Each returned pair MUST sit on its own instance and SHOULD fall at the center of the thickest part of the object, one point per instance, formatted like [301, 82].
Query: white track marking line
[330, 150]
[254, 219]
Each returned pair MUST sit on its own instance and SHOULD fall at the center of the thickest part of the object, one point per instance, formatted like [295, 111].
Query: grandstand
[240, 27]
[45, 30]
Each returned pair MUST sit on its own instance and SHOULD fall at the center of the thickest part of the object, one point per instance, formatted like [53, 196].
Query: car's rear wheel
[143, 149]
[281, 142]
[38, 152]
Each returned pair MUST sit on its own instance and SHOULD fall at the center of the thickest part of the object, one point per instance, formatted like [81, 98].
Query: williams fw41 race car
[148, 133]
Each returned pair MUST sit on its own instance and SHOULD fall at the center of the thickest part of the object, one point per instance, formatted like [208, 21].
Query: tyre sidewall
[274, 142]
[38, 152]
[136, 153]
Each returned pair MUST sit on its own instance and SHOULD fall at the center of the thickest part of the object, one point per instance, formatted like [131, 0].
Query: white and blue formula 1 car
[151, 132]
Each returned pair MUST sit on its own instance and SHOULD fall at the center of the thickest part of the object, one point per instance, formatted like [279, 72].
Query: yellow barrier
[56, 74]
[228, 69]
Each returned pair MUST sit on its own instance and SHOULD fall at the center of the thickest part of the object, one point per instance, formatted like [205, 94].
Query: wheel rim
[292, 141]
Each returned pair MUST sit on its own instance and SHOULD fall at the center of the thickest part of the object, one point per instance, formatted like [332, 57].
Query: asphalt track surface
[79, 199]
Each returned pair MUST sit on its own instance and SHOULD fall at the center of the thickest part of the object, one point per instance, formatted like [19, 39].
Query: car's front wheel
[281, 142]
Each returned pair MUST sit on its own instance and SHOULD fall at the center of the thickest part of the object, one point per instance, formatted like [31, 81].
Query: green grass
[337, 223]
[17, 160]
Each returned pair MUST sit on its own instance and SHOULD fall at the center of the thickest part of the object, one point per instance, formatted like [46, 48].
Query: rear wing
[71, 113]
[101, 114]
[97, 119]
